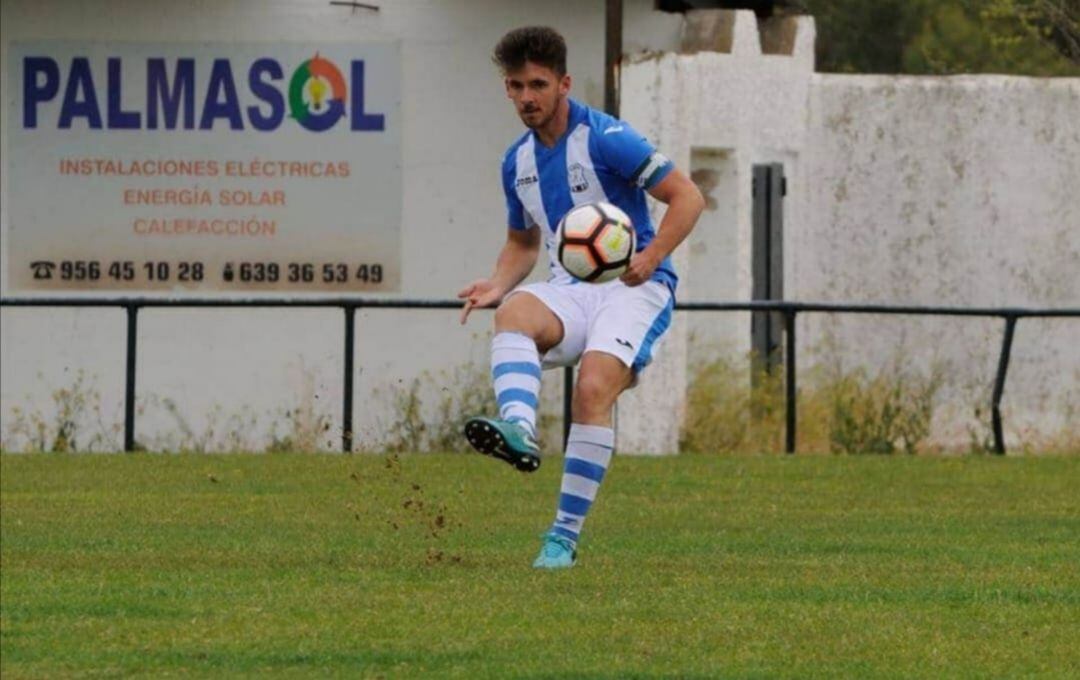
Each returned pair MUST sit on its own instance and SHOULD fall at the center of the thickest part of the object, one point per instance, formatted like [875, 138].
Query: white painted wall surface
[244, 364]
[955, 191]
[938, 191]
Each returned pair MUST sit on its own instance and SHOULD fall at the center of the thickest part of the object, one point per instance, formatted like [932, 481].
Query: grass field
[694, 566]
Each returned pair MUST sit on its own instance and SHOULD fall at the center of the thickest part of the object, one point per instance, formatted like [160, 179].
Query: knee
[507, 318]
[594, 392]
[513, 316]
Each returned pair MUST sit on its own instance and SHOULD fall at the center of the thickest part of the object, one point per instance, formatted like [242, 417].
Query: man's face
[536, 92]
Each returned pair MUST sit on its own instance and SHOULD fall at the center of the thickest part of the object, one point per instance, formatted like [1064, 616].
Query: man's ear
[564, 84]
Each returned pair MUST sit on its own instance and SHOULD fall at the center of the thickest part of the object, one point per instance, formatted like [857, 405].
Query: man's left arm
[685, 203]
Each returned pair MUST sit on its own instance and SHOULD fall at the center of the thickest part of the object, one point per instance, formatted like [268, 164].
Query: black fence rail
[789, 310]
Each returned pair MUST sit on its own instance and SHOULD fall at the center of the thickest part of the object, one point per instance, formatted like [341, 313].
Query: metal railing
[789, 310]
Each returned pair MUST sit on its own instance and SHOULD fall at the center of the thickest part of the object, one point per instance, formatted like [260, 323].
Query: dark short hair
[539, 44]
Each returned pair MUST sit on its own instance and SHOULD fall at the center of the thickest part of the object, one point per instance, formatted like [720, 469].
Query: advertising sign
[204, 167]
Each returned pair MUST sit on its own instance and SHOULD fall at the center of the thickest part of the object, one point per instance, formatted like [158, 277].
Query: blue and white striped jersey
[599, 158]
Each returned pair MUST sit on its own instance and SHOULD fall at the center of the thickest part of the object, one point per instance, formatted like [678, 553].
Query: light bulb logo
[317, 89]
[317, 94]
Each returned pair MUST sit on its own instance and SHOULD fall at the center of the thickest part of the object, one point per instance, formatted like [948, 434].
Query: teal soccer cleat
[556, 553]
[505, 440]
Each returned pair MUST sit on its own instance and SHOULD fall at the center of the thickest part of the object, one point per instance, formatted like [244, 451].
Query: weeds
[76, 423]
[886, 413]
[222, 431]
[843, 413]
[727, 411]
[981, 433]
[303, 431]
[465, 391]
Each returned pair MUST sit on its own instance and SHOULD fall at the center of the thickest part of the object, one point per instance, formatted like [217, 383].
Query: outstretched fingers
[469, 304]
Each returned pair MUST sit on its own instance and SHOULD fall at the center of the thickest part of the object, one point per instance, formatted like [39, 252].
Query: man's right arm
[516, 260]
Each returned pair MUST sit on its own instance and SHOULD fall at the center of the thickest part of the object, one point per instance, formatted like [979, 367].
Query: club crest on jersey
[578, 183]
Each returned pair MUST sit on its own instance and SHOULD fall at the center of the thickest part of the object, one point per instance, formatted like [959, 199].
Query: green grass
[697, 566]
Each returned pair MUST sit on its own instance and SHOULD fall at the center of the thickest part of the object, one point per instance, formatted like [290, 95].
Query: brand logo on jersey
[526, 181]
[578, 183]
[624, 343]
[316, 97]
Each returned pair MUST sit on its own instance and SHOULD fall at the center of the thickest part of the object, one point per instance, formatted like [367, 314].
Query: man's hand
[480, 293]
[642, 266]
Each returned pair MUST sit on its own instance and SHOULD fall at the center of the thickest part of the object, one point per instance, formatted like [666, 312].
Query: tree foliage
[1023, 37]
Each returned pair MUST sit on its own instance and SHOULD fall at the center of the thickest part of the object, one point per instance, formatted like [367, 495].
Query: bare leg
[524, 313]
[601, 379]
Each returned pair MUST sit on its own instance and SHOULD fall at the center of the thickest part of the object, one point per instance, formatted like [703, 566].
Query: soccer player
[572, 154]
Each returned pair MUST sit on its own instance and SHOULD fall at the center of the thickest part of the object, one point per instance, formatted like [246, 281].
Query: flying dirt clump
[415, 512]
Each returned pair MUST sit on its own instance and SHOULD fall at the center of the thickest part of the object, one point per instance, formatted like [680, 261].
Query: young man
[570, 155]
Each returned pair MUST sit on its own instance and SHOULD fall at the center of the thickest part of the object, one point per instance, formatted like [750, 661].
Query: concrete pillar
[715, 110]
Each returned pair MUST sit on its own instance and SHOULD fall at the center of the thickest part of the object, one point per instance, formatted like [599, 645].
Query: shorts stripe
[659, 325]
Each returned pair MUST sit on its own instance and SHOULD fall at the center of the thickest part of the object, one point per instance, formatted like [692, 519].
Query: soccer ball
[595, 242]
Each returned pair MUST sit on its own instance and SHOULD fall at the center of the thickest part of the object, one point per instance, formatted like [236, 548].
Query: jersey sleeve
[516, 216]
[631, 156]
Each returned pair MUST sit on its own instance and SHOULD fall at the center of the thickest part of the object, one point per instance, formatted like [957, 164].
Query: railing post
[789, 380]
[347, 406]
[567, 403]
[129, 377]
[999, 385]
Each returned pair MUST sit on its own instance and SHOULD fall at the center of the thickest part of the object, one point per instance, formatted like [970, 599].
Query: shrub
[849, 413]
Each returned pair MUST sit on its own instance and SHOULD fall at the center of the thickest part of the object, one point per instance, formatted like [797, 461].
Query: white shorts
[627, 322]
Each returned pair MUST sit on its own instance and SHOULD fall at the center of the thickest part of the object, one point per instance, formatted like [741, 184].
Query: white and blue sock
[588, 454]
[515, 369]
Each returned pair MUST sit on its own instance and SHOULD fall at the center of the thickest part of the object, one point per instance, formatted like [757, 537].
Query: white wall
[259, 364]
[957, 191]
[938, 191]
